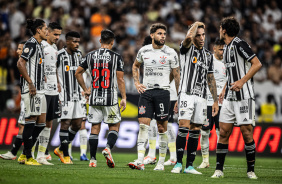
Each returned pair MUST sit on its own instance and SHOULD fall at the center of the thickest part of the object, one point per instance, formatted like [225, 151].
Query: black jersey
[102, 65]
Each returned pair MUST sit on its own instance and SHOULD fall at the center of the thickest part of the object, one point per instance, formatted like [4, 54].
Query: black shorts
[53, 107]
[171, 112]
[154, 101]
[212, 120]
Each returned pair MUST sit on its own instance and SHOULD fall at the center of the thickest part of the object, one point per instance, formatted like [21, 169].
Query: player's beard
[157, 42]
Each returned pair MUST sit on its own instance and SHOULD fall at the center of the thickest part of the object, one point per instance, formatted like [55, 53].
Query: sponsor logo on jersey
[67, 68]
[40, 60]
[245, 120]
[142, 110]
[90, 116]
[229, 65]
[162, 60]
[232, 51]
[194, 60]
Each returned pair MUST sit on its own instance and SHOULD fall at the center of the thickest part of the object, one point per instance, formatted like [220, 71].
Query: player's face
[43, 32]
[20, 49]
[221, 34]
[199, 39]
[159, 37]
[73, 43]
[54, 35]
[218, 51]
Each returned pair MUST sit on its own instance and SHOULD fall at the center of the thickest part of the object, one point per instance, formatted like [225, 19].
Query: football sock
[64, 137]
[221, 151]
[162, 146]
[204, 141]
[36, 131]
[83, 141]
[181, 142]
[27, 138]
[93, 142]
[112, 138]
[250, 149]
[142, 141]
[44, 137]
[153, 130]
[17, 144]
[192, 145]
[171, 141]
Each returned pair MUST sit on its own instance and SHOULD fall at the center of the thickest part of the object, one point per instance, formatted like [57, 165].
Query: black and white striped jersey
[237, 56]
[102, 65]
[195, 64]
[34, 57]
[67, 65]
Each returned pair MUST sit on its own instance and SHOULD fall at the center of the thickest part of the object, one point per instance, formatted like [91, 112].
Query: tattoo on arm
[176, 75]
[212, 86]
[135, 72]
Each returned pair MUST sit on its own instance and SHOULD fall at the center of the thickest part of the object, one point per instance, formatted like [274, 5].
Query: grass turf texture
[269, 170]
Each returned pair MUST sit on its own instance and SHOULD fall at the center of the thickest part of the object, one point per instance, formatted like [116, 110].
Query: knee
[65, 125]
[75, 127]
[224, 134]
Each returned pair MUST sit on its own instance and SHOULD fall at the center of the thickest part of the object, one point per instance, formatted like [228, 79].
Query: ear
[112, 42]
[152, 36]
[100, 41]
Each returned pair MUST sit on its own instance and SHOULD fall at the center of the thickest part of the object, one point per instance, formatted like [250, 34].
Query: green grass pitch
[269, 170]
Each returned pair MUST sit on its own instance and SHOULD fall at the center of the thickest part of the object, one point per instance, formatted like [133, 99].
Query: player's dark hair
[156, 26]
[231, 25]
[219, 42]
[147, 41]
[54, 25]
[72, 34]
[22, 42]
[32, 25]
[107, 36]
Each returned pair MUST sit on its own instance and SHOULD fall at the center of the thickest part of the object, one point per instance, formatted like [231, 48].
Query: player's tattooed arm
[176, 76]
[212, 86]
[135, 72]
[191, 34]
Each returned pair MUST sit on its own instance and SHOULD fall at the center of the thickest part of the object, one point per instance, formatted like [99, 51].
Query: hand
[215, 109]
[140, 88]
[122, 105]
[236, 86]
[59, 87]
[87, 94]
[32, 89]
[175, 109]
[221, 97]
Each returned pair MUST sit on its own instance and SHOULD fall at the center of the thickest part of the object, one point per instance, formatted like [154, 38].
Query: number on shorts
[183, 104]
[161, 107]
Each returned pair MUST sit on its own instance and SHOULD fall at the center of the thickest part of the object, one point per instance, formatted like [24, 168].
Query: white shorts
[21, 119]
[73, 110]
[192, 107]
[242, 112]
[110, 114]
[34, 106]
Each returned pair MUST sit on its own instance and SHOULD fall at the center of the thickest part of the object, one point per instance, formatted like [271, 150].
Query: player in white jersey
[12, 155]
[220, 78]
[241, 65]
[159, 61]
[196, 74]
[31, 67]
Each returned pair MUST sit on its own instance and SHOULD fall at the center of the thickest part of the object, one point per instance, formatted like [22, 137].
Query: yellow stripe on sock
[172, 147]
[152, 144]
[41, 148]
[83, 147]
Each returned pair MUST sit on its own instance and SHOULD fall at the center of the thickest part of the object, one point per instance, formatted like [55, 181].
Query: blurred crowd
[261, 27]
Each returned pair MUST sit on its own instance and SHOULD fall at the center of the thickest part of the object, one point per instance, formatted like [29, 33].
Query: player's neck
[69, 51]
[106, 46]
[155, 46]
[49, 41]
[228, 39]
[38, 38]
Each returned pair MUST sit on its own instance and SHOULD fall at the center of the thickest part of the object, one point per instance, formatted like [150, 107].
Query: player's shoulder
[238, 41]
[169, 50]
[146, 48]
[31, 41]
[113, 52]
[62, 52]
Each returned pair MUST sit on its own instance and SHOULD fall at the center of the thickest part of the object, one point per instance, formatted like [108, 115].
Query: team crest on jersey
[163, 61]
[26, 50]
[195, 60]
[142, 110]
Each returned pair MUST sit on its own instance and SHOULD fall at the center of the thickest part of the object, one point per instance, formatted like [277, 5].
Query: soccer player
[106, 67]
[196, 71]
[220, 78]
[12, 155]
[69, 58]
[31, 67]
[239, 100]
[52, 88]
[158, 60]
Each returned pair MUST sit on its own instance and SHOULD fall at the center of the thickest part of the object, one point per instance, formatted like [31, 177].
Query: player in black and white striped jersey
[106, 67]
[196, 64]
[73, 108]
[239, 101]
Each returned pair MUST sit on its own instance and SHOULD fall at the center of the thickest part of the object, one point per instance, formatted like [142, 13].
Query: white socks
[83, 141]
[205, 145]
[43, 138]
[171, 141]
[142, 141]
[153, 131]
[162, 146]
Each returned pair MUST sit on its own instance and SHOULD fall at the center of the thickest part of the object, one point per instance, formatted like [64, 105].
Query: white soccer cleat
[93, 163]
[177, 168]
[8, 156]
[108, 156]
[43, 161]
[150, 160]
[48, 157]
[136, 165]
[204, 165]
[252, 175]
[191, 170]
[170, 162]
[218, 174]
[159, 167]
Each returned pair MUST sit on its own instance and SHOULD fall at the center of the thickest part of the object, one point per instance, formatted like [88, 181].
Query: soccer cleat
[22, 159]
[31, 161]
[159, 167]
[252, 175]
[191, 170]
[93, 163]
[59, 153]
[150, 160]
[170, 162]
[136, 165]
[204, 165]
[48, 157]
[83, 158]
[43, 161]
[108, 156]
[177, 168]
[67, 160]
[8, 156]
[218, 174]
